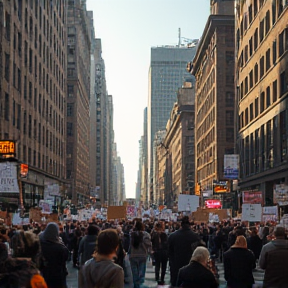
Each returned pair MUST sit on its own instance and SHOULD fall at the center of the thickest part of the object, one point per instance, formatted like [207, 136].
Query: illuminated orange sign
[7, 147]
[24, 170]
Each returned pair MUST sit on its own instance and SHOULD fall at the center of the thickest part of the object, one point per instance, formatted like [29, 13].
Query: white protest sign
[188, 203]
[8, 178]
[251, 212]
[17, 220]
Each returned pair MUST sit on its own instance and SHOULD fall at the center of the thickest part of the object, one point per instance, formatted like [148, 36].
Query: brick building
[213, 67]
[262, 82]
[78, 94]
[32, 90]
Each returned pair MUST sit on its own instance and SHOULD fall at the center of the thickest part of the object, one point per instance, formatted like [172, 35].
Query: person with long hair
[159, 241]
[140, 243]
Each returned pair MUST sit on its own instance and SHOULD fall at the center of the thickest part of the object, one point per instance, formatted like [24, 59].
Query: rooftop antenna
[179, 37]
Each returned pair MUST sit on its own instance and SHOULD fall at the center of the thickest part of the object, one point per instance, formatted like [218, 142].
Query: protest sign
[188, 203]
[116, 212]
[251, 212]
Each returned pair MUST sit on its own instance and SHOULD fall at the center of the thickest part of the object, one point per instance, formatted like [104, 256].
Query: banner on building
[8, 177]
[116, 212]
[281, 194]
[231, 166]
[252, 197]
[251, 212]
[188, 202]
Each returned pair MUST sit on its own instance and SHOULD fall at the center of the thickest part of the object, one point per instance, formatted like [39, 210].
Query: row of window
[263, 148]
[266, 99]
[33, 158]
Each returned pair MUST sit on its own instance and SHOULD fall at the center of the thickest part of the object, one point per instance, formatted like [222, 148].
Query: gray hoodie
[102, 274]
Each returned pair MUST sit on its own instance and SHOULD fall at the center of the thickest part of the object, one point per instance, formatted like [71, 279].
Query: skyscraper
[167, 72]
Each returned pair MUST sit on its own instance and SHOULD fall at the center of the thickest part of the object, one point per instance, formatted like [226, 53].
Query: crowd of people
[114, 254]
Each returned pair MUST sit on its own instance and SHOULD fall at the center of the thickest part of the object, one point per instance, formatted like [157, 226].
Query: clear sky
[128, 29]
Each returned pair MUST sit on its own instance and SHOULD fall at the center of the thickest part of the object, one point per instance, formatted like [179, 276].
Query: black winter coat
[195, 275]
[54, 269]
[238, 266]
[180, 250]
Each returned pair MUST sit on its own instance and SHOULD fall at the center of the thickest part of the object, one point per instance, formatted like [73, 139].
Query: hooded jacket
[274, 260]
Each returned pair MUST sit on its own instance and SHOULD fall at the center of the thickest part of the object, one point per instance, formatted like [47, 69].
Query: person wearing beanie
[239, 263]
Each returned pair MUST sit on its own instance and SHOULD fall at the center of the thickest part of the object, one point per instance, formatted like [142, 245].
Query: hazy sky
[128, 29]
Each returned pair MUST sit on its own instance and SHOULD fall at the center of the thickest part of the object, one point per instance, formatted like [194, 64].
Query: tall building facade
[33, 91]
[262, 82]
[78, 94]
[167, 72]
[213, 68]
[174, 161]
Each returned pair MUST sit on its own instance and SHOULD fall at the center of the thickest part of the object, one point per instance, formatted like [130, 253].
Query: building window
[69, 129]
[261, 67]
[7, 107]
[229, 117]
[267, 22]
[246, 85]
[70, 89]
[7, 66]
[256, 73]
[281, 44]
[229, 99]
[268, 61]
[25, 122]
[275, 91]
[230, 135]
[30, 126]
[268, 97]
[251, 79]
[283, 133]
[69, 109]
[283, 84]
[261, 36]
[273, 12]
[256, 39]
[262, 102]
[7, 26]
[274, 51]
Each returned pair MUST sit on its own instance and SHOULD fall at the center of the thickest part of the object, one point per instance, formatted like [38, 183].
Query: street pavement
[72, 278]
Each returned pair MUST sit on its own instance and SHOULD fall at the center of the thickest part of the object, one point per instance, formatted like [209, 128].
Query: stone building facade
[213, 67]
[174, 163]
[262, 82]
[78, 94]
[33, 90]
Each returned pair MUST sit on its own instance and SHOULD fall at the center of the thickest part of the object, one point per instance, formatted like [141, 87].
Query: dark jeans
[161, 259]
[138, 268]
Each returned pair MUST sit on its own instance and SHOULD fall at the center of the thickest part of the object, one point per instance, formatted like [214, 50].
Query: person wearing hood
[274, 260]
[101, 271]
[54, 255]
[239, 263]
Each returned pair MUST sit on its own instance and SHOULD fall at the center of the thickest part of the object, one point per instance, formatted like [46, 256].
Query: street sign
[7, 148]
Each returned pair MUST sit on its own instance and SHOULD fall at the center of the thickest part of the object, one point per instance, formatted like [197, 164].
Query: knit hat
[240, 242]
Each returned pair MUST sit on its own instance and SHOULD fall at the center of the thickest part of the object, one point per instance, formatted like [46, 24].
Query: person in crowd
[55, 255]
[237, 231]
[159, 241]
[254, 243]
[274, 260]
[123, 261]
[196, 274]
[21, 271]
[239, 263]
[75, 241]
[88, 244]
[264, 235]
[180, 248]
[140, 244]
[101, 271]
